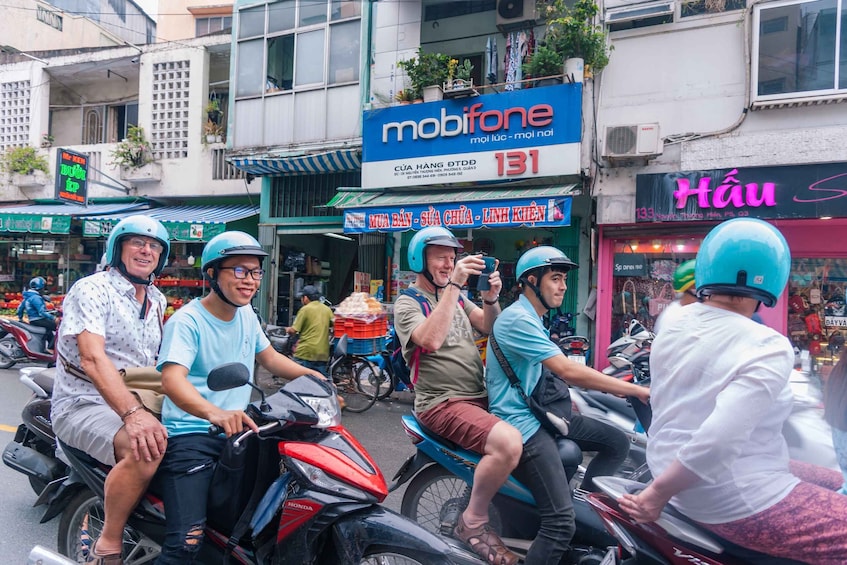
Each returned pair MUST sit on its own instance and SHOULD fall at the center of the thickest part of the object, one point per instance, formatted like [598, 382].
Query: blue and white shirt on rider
[202, 342]
[525, 342]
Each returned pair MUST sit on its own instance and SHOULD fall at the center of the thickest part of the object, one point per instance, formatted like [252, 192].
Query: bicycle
[383, 377]
[350, 374]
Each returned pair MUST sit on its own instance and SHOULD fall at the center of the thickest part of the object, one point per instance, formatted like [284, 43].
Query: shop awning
[364, 198]
[327, 162]
[56, 218]
[184, 223]
[366, 211]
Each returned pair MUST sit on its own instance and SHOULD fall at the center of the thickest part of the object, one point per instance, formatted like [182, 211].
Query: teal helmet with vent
[137, 225]
[37, 283]
[228, 244]
[743, 257]
[429, 236]
[544, 256]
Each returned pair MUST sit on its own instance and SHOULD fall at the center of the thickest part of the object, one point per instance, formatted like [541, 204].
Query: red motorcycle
[302, 490]
[23, 343]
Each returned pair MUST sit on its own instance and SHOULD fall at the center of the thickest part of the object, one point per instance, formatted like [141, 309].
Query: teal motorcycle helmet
[743, 257]
[226, 245]
[538, 261]
[137, 225]
[37, 283]
[416, 253]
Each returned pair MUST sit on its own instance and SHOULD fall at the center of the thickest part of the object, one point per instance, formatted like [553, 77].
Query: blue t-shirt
[196, 339]
[525, 343]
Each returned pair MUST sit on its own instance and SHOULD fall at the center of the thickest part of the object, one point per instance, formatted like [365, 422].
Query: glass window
[817, 314]
[280, 63]
[345, 9]
[251, 21]
[249, 75]
[281, 16]
[310, 48]
[344, 53]
[312, 12]
[698, 7]
[797, 50]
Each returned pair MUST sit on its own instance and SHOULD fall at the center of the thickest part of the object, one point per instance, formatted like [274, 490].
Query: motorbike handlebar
[215, 430]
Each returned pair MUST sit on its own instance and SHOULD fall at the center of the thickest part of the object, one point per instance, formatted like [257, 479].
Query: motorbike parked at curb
[309, 492]
[440, 475]
[23, 343]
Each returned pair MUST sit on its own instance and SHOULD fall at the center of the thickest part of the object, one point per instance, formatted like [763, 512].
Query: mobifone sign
[511, 135]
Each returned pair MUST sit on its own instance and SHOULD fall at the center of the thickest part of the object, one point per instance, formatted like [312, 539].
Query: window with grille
[307, 195]
[169, 135]
[14, 113]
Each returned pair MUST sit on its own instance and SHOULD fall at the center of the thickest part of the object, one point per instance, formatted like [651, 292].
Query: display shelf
[179, 282]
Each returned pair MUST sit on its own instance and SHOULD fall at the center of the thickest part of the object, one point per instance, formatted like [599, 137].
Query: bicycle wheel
[374, 380]
[344, 377]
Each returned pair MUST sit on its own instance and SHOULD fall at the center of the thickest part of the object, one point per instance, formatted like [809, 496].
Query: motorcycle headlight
[327, 409]
[328, 483]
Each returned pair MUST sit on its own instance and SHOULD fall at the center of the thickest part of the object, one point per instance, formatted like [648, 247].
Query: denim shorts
[90, 427]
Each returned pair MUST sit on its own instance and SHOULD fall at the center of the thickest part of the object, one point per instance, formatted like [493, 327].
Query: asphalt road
[379, 430]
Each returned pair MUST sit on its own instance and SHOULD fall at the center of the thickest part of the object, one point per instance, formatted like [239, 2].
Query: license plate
[577, 358]
[610, 558]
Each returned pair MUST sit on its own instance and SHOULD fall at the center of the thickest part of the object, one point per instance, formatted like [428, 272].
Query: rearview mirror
[228, 376]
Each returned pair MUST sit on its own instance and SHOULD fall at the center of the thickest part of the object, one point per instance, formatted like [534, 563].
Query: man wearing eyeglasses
[208, 332]
[113, 321]
[312, 325]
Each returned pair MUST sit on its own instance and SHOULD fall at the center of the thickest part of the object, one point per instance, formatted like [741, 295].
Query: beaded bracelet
[449, 282]
[491, 302]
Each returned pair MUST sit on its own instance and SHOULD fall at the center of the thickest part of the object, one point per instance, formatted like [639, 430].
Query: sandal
[485, 543]
[96, 559]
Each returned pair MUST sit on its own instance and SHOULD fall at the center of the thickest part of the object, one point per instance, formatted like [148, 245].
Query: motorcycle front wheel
[7, 352]
[390, 556]
[81, 524]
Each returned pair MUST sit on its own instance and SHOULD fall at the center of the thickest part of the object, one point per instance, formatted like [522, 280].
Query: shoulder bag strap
[507, 368]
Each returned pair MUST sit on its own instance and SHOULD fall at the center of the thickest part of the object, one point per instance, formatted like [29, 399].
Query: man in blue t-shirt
[519, 331]
[217, 329]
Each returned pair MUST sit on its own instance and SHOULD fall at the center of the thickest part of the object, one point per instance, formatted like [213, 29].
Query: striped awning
[308, 164]
[364, 198]
[56, 218]
[184, 223]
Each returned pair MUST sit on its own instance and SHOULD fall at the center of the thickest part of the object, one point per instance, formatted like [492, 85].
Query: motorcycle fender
[379, 526]
[409, 469]
[57, 495]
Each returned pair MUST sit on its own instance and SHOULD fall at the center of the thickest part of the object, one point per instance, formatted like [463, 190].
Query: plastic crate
[364, 346]
[359, 329]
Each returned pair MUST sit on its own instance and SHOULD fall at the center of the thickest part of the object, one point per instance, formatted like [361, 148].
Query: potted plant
[573, 33]
[459, 80]
[545, 65]
[213, 110]
[46, 140]
[427, 72]
[405, 96]
[134, 156]
[213, 133]
[27, 166]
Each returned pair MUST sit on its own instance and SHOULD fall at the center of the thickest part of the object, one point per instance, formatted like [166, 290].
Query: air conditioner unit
[638, 141]
[515, 14]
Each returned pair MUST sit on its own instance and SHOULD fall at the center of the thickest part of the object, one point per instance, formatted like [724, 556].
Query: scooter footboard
[379, 528]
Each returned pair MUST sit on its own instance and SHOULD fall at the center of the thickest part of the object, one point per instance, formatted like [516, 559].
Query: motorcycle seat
[29, 327]
[45, 380]
[609, 402]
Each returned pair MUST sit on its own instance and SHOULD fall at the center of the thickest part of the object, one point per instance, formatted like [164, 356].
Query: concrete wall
[176, 22]
[21, 28]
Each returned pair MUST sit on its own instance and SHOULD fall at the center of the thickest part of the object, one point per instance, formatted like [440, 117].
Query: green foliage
[24, 161]
[571, 32]
[213, 105]
[426, 69]
[134, 151]
[544, 62]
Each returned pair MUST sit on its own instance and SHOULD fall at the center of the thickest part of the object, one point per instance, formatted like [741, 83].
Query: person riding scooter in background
[36, 310]
[683, 286]
[525, 343]
[720, 397]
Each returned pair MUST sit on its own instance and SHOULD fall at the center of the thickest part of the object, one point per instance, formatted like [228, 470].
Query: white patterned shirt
[104, 304]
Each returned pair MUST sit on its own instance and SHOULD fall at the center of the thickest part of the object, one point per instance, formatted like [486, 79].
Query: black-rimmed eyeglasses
[241, 272]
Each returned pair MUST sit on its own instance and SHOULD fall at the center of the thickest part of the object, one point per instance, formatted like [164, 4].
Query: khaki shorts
[90, 427]
[464, 421]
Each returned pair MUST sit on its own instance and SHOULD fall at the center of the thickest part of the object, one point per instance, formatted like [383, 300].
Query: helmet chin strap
[132, 278]
[428, 276]
[216, 288]
[537, 291]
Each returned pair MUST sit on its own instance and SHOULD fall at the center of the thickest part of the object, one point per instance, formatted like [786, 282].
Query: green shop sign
[34, 223]
[71, 177]
[178, 231]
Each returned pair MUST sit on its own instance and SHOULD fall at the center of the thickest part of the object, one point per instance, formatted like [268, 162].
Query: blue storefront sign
[516, 135]
[543, 212]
